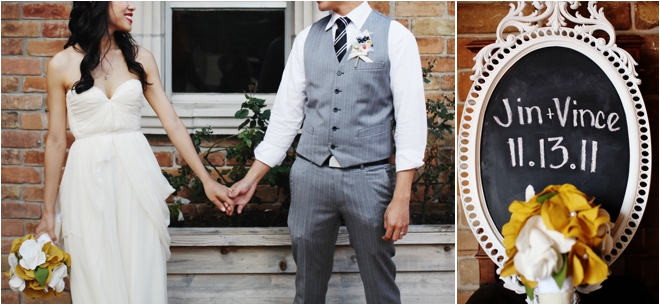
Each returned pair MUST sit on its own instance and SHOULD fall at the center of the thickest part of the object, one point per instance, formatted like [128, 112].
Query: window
[208, 52]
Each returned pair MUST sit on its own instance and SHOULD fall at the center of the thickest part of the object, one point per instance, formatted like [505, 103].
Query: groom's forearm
[402, 190]
[257, 171]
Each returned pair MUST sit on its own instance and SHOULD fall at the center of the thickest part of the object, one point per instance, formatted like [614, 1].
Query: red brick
[31, 227]
[21, 101]
[10, 120]
[451, 8]
[464, 85]
[480, 17]
[58, 10]
[21, 210]
[164, 158]
[55, 29]
[11, 156]
[419, 8]
[20, 29]
[430, 45]
[21, 66]
[442, 64]
[33, 121]
[4, 279]
[6, 247]
[465, 56]
[463, 296]
[21, 139]
[216, 158]
[11, 191]
[10, 11]
[9, 84]
[33, 193]
[451, 46]
[10, 297]
[65, 298]
[459, 112]
[447, 82]
[15, 174]
[69, 138]
[12, 227]
[432, 26]
[34, 84]
[266, 193]
[45, 47]
[404, 22]
[646, 15]
[617, 13]
[11, 46]
[159, 140]
[33, 157]
[382, 7]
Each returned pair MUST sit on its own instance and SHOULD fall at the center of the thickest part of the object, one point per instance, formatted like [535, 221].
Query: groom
[347, 105]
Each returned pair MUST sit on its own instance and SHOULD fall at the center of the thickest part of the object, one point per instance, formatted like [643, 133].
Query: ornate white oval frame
[494, 60]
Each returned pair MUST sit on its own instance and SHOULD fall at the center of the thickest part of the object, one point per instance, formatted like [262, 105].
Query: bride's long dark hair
[88, 24]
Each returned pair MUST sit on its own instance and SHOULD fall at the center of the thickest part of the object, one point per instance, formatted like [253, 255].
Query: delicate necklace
[107, 75]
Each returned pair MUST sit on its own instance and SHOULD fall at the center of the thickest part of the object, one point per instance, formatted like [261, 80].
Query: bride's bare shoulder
[66, 60]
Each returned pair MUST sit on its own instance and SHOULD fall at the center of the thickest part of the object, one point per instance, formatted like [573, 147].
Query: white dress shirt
[405, 82]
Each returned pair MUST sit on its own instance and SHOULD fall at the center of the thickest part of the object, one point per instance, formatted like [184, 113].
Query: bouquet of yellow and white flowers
[555, 241]
[37, 267]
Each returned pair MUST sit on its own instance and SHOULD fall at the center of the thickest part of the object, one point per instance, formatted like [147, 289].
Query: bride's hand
[219, 195]
[47, 226]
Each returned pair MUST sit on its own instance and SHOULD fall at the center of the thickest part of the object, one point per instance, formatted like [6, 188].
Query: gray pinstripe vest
[349, 110]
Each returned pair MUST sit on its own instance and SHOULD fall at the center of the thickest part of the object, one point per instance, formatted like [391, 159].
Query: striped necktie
[340, 37]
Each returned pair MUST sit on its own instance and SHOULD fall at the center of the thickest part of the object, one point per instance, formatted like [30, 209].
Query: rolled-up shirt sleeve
[407, 88]
[287, 114]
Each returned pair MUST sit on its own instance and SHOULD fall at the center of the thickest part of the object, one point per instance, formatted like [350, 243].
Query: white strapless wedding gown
[112, 198]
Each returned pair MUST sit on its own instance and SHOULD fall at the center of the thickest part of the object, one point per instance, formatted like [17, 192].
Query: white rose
[539, 250]
[57, 278]
[31, 254]
[15, 282]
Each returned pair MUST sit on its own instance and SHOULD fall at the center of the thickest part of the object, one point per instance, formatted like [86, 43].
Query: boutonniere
[362, 47]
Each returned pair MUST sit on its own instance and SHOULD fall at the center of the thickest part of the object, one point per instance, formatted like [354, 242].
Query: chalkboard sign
[553, 105]
[553, 118]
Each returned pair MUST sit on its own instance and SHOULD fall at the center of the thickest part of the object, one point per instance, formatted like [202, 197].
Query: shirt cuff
[269, 154]
[406, 160]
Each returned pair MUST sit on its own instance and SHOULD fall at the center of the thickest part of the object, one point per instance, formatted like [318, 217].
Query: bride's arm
[55, 141]
[177, 132]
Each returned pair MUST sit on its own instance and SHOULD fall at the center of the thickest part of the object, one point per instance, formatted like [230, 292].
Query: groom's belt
[327, 163]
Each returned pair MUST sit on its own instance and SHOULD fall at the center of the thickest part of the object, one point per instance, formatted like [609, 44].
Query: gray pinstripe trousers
[320, 196]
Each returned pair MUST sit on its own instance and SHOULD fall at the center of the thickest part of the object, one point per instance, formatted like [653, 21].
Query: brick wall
[32, 32]
[479, 20]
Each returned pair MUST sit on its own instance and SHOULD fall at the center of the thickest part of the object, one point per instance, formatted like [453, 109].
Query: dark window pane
[227, 50]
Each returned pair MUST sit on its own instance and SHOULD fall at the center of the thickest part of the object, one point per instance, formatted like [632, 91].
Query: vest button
[337, 91]
[335, 109]
[339, 73]
[332, 146]
[334, 128]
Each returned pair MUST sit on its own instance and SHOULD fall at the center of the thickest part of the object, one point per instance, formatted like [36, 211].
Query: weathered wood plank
[422, 234]
[279, 259]
[416, 287]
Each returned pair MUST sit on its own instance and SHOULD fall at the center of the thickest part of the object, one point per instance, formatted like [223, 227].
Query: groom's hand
[397, 219]
[397, 215]
[219, 195]
[241, 193]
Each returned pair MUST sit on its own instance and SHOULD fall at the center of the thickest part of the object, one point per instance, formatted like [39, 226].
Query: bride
[112, 193]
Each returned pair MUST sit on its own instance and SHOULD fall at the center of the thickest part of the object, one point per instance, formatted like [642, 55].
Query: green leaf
[41, 274]
[542, 199]
[561, 276]
[530, 293]
[241, 114]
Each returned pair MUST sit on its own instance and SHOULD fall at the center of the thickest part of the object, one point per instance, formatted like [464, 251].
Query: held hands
[219, 195]
[241, 193]
[397, 219]
[47, 226]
